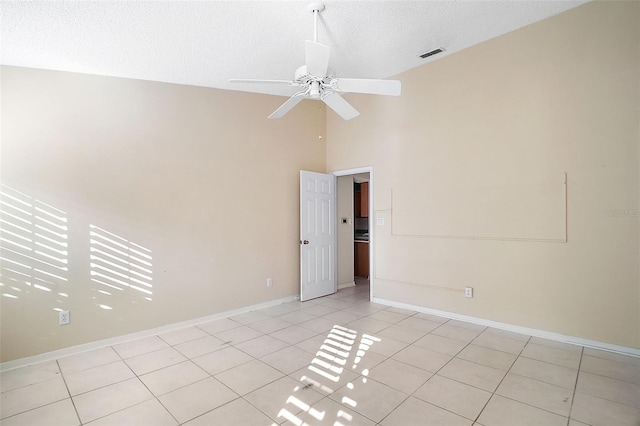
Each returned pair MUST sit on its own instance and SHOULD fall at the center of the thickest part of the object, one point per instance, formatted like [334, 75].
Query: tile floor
[337, 360]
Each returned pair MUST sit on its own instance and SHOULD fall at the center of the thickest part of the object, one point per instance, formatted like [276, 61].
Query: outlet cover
[468, 292]
[63, 317]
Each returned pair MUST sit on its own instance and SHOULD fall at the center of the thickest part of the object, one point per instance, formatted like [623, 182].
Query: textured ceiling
[205, 43]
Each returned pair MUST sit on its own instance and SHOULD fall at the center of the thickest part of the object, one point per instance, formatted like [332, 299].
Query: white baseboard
[346, 285]
[72, 350]
[515, 328]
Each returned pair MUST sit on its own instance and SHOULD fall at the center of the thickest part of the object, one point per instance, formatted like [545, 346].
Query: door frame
[348, 172]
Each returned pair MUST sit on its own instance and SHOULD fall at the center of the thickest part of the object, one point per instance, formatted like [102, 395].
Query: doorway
[355, 242]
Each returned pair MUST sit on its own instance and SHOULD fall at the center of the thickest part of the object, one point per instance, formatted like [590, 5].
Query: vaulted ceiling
[205, 43]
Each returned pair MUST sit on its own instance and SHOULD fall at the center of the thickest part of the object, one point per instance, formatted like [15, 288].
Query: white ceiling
[205, 43]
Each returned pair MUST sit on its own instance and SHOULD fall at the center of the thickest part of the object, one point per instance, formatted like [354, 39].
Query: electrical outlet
[63, 317]
[269, 282]
[468, 292]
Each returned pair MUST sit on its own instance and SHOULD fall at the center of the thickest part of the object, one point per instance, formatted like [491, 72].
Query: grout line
[575, 386]
[69, 392]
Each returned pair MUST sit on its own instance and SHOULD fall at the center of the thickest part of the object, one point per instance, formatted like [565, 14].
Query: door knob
[304, 242]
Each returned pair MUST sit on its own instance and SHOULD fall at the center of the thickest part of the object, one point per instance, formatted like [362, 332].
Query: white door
[317, 235]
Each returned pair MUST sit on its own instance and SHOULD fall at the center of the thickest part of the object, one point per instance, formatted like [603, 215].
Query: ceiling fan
[316, 80]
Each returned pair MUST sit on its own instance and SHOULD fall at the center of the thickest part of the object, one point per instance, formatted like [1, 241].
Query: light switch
[380, 221]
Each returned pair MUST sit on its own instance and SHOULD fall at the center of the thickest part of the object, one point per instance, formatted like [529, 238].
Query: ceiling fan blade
[250, 80]
[287, 106]
[340, 106]
[317, 58]
[371, 86]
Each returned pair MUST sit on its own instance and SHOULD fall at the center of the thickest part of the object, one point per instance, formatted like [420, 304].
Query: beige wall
[197, 176]
[474, 155]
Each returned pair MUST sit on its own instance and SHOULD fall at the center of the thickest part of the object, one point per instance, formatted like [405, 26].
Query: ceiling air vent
[431, 53]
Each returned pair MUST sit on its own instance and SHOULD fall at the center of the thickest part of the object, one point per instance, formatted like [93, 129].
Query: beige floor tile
[365, 308]
[502, 411]
[323, 381]
[457, 333]
[319, 325]
[370, 399]
[498, 343]
[139, 347]
[402, 311]
[387, 346]
[369, 325]
[238, 335]
[626, 359]
[28, 375]
[362, 364]
[441, 344]
[218, 326]
[334, 303]
[182, 335]
[281, 394]
[414, 411]
[297, 316]
[342, 317]
[235, 413]
[270, 325]
[97, 377]
[507, 334]
[473, 374]
[419, 324]
[545, 372]
[288, 359]
[107, 400]
[404, 334]
[61, 413]
[388, 316]
[563, 358]
[555, 344]
[247, 318]
[278, 310]
[150, 412]
[293, 334]
[325, 412]
[248, 377]
[399, 375]
[312, 345]
[614, 390]
[174, 377]
[199, 347]
[466, 324]
[430, 317]
[224, 359]
[318, 310]
[261, 346]
[486, 356]
[538, 394]
[464, 400]
[573, 422]
[423, 358]
[611, 369]
[26, 398]
[85, 360]
[196, 399]
[146, 363]
[602, 412]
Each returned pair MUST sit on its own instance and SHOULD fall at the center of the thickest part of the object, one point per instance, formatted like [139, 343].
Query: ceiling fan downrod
[315, 8]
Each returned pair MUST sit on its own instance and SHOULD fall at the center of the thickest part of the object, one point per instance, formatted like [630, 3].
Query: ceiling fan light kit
[316, 80]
